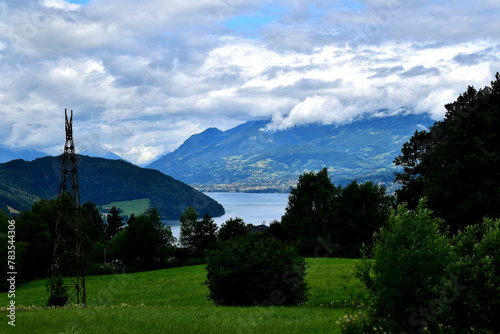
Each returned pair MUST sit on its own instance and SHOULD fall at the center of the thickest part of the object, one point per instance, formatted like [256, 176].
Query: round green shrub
[256, 270]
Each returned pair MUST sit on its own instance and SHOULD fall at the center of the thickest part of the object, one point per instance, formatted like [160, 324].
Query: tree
[411, 257]
[456, 164]
[362, 209]
[94, 236]
[339, 219]
[114, 223]
[309, 212]
[93, 224]
[256, 270]
[475, 271]
[419, 277]
[196, 235]
[205, 234]
[188, 220]
[276, 230]
[35, 241]
[145, 243]
[233, 228]
[4, 245]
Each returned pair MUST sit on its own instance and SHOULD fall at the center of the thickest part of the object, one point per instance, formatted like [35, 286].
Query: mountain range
[101, 181]
[8, 154]
[251, 158]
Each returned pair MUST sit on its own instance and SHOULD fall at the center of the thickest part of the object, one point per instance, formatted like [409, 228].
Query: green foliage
[188, 220]
[361, 209]
[309, 213]
[317, 210]
[15, 198]
[233, 228]
[256, 270]
[93, 224]
[476, 270]
[4, 244]
[456, 164]
[411, 257]
[144, 244]
[34, 235]
[277, 231]
[58, 294]
[197, 235]
[114, 223]
[421, 279]
[93, 237]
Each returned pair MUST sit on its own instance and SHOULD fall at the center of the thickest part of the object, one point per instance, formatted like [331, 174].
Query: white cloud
[315, 109]
[61, 4]
[144, 76]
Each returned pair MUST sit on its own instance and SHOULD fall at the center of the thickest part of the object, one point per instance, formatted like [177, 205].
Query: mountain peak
[245, 158]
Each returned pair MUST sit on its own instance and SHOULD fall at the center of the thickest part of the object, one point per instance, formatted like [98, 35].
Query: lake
[253, 208]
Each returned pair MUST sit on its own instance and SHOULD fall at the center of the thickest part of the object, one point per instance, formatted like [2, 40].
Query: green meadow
[136, 206]
[174, 301]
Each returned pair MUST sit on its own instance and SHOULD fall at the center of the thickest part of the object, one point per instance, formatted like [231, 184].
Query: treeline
[318, 214]
[334, 218]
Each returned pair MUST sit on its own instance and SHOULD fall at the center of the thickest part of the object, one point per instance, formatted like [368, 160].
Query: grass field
[174, 301]
[135, 207]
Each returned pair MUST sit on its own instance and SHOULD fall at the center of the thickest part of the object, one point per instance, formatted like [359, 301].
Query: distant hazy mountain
[101, 153]
[101, 181]
[10, 154]
[248, 158]
[7, 154]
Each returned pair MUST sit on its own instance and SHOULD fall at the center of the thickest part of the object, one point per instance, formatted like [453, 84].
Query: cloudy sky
[142, 76]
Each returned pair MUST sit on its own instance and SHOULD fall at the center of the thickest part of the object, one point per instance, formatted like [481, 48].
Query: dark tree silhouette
[456, 164]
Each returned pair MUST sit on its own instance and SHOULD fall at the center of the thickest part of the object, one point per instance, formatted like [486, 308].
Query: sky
[143, 76]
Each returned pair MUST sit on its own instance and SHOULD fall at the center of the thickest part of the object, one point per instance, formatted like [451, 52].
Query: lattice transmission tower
[68, 256]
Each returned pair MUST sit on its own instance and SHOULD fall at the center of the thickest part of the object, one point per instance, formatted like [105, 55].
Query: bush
[411, 257]
[424, 281]
[58, 294]
[476, 273]
[256, 270]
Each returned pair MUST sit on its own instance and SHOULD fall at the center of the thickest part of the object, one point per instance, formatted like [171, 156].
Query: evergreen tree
[309, 213]
[197, 235]
[456, 164]
[114, 223]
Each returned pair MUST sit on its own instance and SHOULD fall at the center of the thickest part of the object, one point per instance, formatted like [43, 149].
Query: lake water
[253, 208]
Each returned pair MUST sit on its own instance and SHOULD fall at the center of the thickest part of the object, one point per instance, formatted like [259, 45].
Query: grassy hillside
[101, 181]
[174, 301]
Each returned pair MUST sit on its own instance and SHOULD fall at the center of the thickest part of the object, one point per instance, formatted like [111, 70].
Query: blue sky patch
[355, 4]
[78, 2]
[248, 23]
